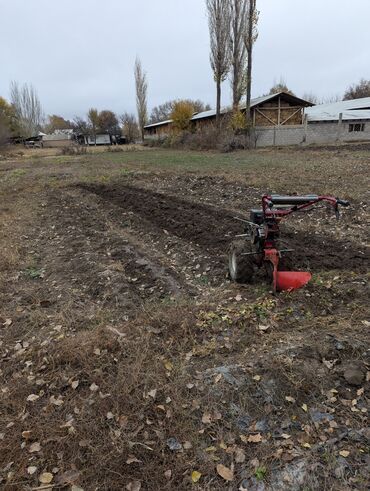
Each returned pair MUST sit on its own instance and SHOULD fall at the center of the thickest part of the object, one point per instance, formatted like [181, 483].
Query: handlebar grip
[343, 202]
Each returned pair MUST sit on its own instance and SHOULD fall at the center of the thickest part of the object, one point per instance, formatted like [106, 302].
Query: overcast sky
[80, 53]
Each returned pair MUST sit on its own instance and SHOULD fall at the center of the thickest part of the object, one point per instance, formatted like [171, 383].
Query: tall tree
[108, 122]
[219, 16]
[358, 91]
[130, 127]
[250, 39]
[239, 23]
[80, 126]
[141, 85]
[93, 117]
[27, 107]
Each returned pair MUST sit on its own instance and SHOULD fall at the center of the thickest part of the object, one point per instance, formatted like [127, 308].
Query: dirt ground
[128, 360]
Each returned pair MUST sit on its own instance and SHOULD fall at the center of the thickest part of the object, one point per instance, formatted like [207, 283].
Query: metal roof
[153, 125]
[353, 109]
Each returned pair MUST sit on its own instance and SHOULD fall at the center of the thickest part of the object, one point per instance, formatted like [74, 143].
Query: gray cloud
[81, 53]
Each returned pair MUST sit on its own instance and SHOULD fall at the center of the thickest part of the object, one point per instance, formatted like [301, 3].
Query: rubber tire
[241, 267]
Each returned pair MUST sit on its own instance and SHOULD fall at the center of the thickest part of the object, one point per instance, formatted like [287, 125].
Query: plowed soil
[128, 360]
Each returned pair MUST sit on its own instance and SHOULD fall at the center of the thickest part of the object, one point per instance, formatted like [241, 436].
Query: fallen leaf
[134, 486]
[257, 378]
[290, 399]
[110, 415]
[211, 449]
[7, 323]
[195, 476]
[225, 472]
[26, 434]
[238, 298]
[133, 460]
[206, 418]
[94, 387]
[285, 436]
[75, 384]
[152, 393]
[32, 397]
[35, 447]
[344, 453]
[263, 328]
[46, 477]
[306, 445]
[76, 488]
[255, 438]
[305, 408]
[168, 474]
[168, 365]
[56, 401]
[31, 469]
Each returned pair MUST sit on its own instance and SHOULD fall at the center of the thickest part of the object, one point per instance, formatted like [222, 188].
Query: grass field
[128, 360]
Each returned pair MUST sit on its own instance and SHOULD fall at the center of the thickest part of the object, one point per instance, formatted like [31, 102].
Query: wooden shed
[275, 110]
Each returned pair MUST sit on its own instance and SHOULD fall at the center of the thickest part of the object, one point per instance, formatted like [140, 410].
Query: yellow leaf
[306, 445]
[344, 453]
[257, 378]
[305, 408]
[225, 472]
[46, 478]
[211, 449]
[168, 365]
[195, 476]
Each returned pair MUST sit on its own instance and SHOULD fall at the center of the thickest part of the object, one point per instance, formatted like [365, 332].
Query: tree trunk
[218, 102]
[249, 65]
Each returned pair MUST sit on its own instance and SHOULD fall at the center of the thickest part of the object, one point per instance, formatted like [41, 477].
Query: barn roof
[254, 102]
[350, 110]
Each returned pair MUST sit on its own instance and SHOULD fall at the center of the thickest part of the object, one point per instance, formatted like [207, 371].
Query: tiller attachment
[261, 236]
[285, 280]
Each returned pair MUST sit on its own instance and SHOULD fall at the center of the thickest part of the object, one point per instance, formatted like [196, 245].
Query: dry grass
[203, 372]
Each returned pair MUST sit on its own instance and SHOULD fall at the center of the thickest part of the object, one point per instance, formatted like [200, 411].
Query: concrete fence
[312, 132]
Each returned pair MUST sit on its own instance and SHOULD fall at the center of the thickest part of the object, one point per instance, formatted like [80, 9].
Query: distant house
[60, 138]
[101, 139]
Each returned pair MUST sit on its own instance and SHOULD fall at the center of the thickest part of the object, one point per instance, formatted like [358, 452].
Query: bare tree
[239, 23]
[250, 39]
[141, 95]
[27, 107]
[164, 111]
[93, 117]
[219, 16]
[358, 91]
[130, 127]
